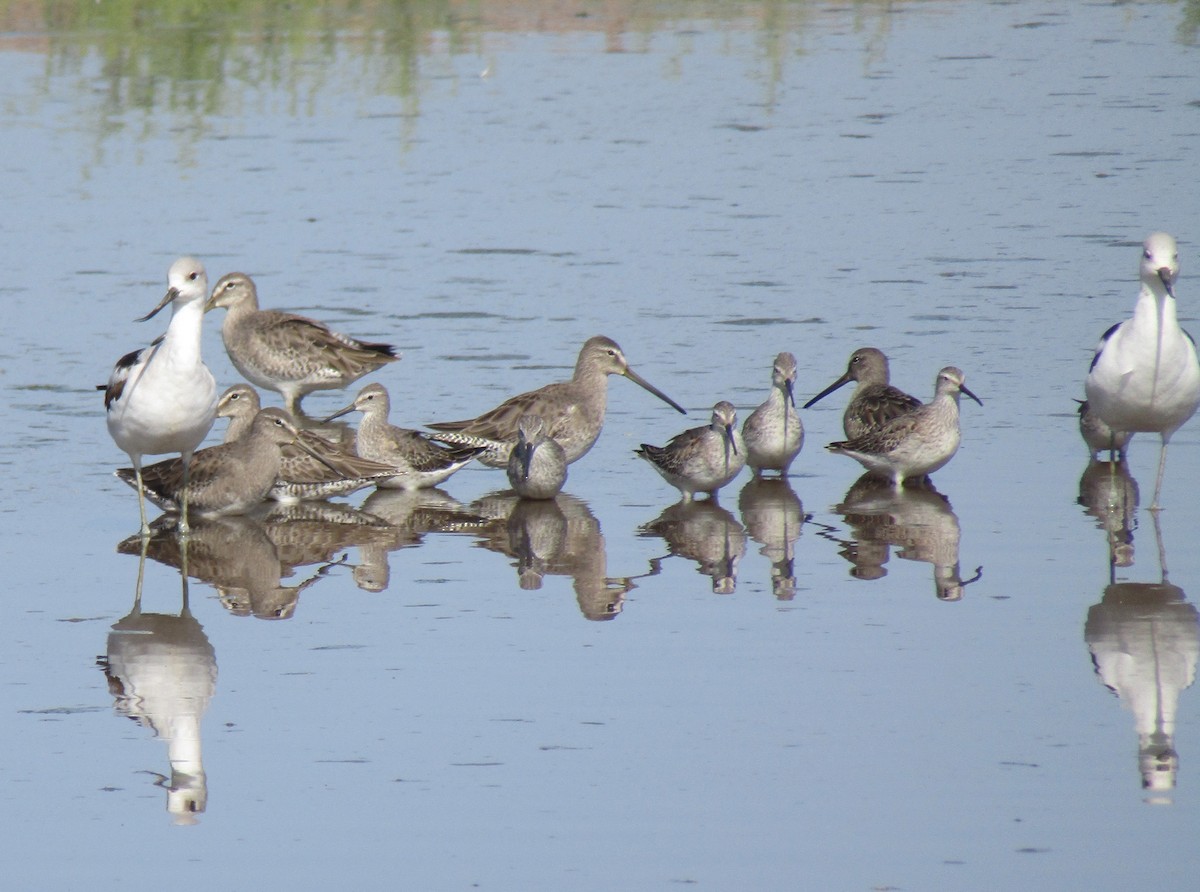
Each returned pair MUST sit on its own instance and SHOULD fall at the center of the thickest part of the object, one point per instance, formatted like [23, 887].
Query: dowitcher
[537, 466]
[875, 402]
[1098, 435]
[573, 411]
[226, 479]
[416, 461]
[163, 398]
[292, 355]
[302, 475]
[702, 459]
[773, 432]
[916, 443]
[1145, 376]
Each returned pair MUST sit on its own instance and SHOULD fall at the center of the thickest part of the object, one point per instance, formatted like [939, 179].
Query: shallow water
[453, 691]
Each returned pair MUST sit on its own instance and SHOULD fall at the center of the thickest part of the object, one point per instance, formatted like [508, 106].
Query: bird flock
[162, 399]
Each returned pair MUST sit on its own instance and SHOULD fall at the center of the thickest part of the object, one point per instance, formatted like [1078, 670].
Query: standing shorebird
[163, 398]
[773, 432]
[917, 443]
[416, 461]
[702, 459]
[875, 402]
[292, 355]
[572, 410]
[537, 466]
[226, 479]
[1145, 376]
[317, 470]
[1099, 436]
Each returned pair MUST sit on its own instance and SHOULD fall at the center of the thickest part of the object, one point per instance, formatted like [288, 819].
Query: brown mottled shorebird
[1099, 436]
[702, 459]
[773, 432]
[226, 479]
[290, 354]
[875, 402]
[302, 474]
[537, 466]
[573, 411]
[916, 443]
[162, 398]
[416, 461]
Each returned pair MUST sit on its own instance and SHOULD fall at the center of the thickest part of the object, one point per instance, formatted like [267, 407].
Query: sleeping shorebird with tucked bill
[228, 479]
[290, 354]
[916, 443]
[773, 432]
[163, 398]
[317, 469]
[537, 465]
[572, 410]
[1145, 375]
[874, 402]
[702, 459]
[416, 461]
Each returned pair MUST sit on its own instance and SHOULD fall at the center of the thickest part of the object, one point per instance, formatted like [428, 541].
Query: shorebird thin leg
[137, 467]
[1162, 552]
[137, 592]
[183, 499]
[185, 609]
[1162, 467]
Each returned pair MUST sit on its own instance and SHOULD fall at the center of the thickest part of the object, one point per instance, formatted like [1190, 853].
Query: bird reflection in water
[408, 515]
[318, 533]
[1145, 639]
[162, 672]
[916, 519]
[704, 532]
[1110, 494]
[774, 517]
[554, 537]
[246, 558]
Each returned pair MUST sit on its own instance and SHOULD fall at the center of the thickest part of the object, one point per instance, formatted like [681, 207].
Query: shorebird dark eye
[193, 276]
[1147, 254]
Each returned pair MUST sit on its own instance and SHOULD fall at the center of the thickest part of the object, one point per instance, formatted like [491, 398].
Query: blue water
[456, 698]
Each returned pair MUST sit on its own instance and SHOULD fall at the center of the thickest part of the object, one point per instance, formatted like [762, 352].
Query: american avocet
[1145, 376]
[163, 398]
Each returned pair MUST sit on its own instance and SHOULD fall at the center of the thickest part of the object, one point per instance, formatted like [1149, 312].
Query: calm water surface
[816, 685]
